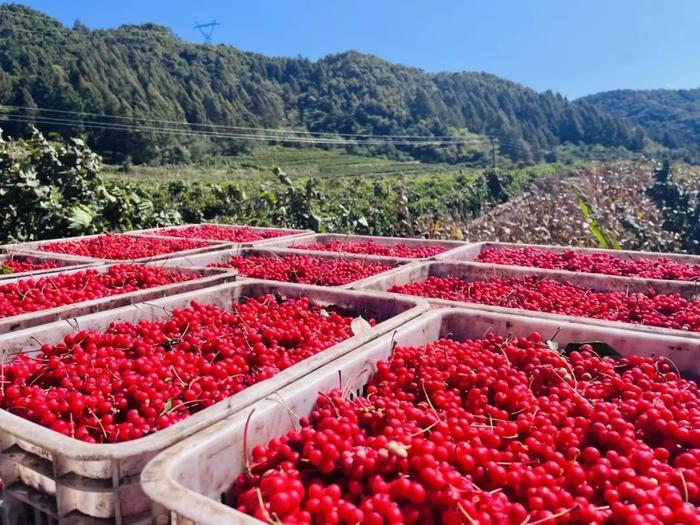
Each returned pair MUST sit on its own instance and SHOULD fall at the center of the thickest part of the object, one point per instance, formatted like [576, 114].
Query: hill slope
[147, 72]
[671, 117]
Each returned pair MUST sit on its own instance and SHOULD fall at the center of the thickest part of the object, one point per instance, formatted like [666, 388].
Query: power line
[476, 138]
[172, 131]
[127, 127]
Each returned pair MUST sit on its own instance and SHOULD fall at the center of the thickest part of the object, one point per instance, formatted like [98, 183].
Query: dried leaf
[360, 326]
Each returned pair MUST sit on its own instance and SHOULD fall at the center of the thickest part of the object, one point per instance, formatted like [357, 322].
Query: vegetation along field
[53, 188]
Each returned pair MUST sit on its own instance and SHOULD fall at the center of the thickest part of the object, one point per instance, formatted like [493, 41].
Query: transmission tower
[206, 29]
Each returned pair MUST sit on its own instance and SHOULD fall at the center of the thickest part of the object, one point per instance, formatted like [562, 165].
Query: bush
[51, 188]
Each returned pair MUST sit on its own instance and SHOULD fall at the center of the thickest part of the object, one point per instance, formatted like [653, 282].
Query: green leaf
[168, 406]
[270, 197]
[81, 217]
[598, 233]
[553, 345]
[362, 221]
[605, 240]
[5, 269]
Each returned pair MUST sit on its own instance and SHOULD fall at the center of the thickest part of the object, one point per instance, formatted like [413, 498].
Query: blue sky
[575, 47]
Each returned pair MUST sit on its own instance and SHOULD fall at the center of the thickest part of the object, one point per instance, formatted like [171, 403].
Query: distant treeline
[669, 116]
[147, 72]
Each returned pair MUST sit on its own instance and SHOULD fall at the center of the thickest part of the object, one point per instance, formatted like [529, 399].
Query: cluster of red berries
[662, 268]
[216, 232]
[399, 249]
[304, 269]
[133, 380]
[546, 295]
[19, 265]
[51, 291]
[121, 247]
[491, 431]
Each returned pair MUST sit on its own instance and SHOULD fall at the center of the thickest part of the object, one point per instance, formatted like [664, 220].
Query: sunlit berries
[50, 291]
[24, 264]
[490, 431]
[121, 247]
[216, 232]
[304, 269]
[547, 295]
[661, 268]
[371, 247]
[132, 380]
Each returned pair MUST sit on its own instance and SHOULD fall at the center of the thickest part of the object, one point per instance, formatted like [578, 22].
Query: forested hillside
[670, 117]
[146, 72]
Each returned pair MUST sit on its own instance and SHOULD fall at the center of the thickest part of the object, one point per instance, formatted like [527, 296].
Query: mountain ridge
[156, 75]
[669, 116]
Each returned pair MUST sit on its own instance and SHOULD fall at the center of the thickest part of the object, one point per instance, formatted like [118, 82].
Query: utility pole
[206, 29]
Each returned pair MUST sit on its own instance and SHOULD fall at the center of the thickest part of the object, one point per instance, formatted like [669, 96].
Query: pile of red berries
[399, 249]
[25, 264]
[304, 269]
[546, 295]
[121, 247]
[132, 380]
[662, 268]
[222, 233]
[491, 431]
[51, 291]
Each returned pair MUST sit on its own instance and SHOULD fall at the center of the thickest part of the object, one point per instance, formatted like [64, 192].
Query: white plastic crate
[287, 233]
[203, 260]
[386, 241]
[32, 248]
[72, 479]
[472, 251]
[188, 482]
[208, 277]
[61, 262]
[474, 271]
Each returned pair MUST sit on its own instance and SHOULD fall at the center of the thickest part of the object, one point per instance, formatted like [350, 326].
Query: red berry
[585, 262]
[132, 380]
[547, 295]
[371, 247]
[433, 441]
[222, 233]
[40, 293]
[304, 269]
[26, 264]
[121, 247]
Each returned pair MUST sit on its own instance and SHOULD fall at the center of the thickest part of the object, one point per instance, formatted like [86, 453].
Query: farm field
[595, 204]
[627, 204]
[296, 162]
[332, 171]
[330, 191]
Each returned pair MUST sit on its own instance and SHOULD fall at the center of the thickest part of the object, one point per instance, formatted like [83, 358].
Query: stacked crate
[197, 459]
